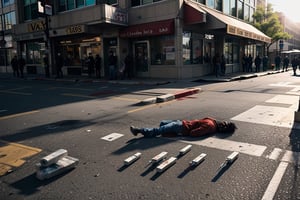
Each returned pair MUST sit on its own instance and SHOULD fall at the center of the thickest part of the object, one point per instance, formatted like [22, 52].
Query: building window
[9, 20]
[210, 3]
[30, 9]
[233, 8]
[162, 50]
[240, 8]
[246, 12]
[34, 52]
[142, 2]
[65, 5]
[7, 2]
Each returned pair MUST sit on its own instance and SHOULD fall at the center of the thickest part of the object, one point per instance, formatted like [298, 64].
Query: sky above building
[289, 7]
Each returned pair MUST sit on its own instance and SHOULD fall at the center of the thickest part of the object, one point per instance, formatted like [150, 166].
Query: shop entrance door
[141, 56]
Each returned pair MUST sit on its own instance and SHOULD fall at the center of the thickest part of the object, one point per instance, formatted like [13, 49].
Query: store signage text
[150, 29]
[74, 29]
[36, 26]
[247, 34]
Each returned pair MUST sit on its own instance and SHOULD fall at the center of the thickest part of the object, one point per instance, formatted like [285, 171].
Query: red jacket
[199, 127]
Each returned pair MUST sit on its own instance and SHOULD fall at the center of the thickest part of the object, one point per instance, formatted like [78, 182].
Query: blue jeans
[165, 126]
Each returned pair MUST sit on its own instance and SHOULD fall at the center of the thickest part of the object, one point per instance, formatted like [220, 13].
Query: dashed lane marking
[19, 114]
[78, 95]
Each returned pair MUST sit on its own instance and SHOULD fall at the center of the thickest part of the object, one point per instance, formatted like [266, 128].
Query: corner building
[166, 38]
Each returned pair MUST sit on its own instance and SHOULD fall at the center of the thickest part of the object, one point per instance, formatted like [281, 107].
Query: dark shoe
[134, 130]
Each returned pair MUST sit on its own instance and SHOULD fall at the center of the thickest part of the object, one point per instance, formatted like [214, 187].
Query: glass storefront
[162, 50]
[231, 50]
[196, 48]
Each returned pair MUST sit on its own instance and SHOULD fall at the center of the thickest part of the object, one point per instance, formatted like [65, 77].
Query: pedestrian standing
[286, 63]
[112, 64]
[21, 64]
[91, 64]
[265, 62]
[277, 62]
[250, 63]
[295, 63]
[98, 66]
[217, 63]
[128, 66]
[257, 62]
[14, 65]
[245, 63]
[59, 66]
[223, 65]
[46, 63]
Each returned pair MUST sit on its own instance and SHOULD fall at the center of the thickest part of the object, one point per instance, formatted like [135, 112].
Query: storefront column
[178, 47]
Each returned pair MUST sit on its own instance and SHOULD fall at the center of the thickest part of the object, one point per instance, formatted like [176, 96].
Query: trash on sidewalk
[54, 164]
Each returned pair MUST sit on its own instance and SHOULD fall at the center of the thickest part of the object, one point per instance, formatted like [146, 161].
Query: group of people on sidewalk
[248, 61]
[18, 65]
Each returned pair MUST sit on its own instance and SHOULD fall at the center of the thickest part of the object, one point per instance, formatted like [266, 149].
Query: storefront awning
[235, 26]
[164, 27]
[193, 14]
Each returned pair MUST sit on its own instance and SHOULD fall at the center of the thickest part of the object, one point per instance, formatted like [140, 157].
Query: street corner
[12, 155]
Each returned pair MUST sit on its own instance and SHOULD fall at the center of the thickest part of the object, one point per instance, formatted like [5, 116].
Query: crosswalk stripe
[275, 181]
[228, 145]
[291, 157]
[274, 155]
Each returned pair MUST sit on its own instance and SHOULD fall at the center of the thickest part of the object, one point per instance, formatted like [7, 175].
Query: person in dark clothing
[194, 128]
[14, 65]
[277, 62]
[59, 66]
[91, 64]
[295, 63]
[257, 62]
[21, 64]
[265, 63]
[223, 65]
[46, 63]
[112, 64]
[217, 64]
[250, 62]
[286, 63]
[128, 66]
[98, 66]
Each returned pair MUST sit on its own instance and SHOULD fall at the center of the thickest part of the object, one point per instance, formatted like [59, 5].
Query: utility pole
[45, 10]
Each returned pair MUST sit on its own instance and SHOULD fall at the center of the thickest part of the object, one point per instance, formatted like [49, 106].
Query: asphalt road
[91, 121]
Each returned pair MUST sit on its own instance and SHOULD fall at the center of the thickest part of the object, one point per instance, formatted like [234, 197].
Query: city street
[91, 121]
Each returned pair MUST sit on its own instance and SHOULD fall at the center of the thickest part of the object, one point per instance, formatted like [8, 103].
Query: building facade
[166, 38]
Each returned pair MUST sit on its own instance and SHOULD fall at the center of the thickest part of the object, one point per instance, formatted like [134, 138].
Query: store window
[34, 52]
[233, 8]
[65, 5]
[192, 45]
[231, 51]
[9, 20]
[162, 50]
[30, 9]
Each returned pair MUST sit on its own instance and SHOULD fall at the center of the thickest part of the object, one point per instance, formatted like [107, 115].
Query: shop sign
[244, 33]
[36, 26]
[75, 29]
[149, 29]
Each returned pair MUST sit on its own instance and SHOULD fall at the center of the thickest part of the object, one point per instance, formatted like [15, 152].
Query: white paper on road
[112, 137]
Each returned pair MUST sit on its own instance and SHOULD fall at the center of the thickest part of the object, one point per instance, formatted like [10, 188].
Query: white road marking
[269, 115]
[274, 155]
[284, 99]
[228, 145]
[112, 136]
[275, 181]
[291, 157]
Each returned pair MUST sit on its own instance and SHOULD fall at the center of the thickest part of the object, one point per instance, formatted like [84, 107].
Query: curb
[169, 97]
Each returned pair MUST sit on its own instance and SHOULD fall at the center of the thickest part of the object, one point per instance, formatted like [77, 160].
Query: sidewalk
[147, 81]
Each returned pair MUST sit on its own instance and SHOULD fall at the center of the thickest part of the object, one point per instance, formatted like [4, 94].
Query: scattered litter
[132, 158]
[54, 164]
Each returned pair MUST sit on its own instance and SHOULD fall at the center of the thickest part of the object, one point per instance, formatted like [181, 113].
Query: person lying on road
[194, 128]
